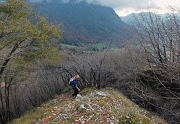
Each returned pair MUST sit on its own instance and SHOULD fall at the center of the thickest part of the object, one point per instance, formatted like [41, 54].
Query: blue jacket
[74, 83]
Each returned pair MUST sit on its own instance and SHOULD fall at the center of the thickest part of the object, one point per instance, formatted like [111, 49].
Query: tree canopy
[26, 37]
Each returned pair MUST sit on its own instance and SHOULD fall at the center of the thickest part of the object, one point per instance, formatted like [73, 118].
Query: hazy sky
[159, 6]
[124, 7]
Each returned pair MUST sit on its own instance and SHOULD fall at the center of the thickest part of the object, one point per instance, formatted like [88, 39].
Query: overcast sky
[125, 7]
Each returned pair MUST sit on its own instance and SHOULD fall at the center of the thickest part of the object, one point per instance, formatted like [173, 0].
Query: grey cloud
[111, 3]
[136, 4]
[123, 3]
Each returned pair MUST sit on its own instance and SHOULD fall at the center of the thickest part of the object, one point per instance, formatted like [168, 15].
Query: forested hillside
[85, 23]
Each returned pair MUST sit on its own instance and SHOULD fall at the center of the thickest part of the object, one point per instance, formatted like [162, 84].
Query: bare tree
[158, 84]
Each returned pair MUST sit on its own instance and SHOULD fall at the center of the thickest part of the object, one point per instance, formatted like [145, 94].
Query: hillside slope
[84, 22]
[105, 106]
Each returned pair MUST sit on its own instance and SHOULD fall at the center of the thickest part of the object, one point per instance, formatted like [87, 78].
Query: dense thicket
[26, 40]
[157, 87]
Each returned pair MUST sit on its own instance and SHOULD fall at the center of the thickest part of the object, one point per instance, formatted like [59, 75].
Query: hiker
[74, 85]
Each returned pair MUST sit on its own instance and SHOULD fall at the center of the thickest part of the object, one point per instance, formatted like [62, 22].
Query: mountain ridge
[84, 22]
[91, 106]
[131, 18]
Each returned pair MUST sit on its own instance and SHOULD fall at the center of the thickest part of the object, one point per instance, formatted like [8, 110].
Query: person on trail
[74, 85]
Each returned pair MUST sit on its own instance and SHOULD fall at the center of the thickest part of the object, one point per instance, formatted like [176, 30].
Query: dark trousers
[75, 92]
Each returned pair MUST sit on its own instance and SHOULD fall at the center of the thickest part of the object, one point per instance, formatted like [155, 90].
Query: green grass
[78, 48]
[99, 46]
[31, 116]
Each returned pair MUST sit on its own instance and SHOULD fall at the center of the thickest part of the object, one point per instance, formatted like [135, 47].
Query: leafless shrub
[98, 69]
[157, 86]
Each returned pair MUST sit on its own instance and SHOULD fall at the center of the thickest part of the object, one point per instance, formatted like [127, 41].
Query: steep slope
[84, 22]
[105, 106]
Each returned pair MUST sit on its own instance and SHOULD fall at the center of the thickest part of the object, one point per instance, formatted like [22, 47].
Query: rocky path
[94, 107]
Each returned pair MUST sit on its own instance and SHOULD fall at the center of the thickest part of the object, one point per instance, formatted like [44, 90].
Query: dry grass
[97, 109]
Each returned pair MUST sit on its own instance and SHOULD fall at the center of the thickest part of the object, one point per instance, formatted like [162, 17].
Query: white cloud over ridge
[128, 6]
[109, 3]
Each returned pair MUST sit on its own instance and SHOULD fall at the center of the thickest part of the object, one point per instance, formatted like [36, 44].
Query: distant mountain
[84, 22]
[129, 19]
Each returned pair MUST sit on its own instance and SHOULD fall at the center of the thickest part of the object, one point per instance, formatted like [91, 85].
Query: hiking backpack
[71, 81]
